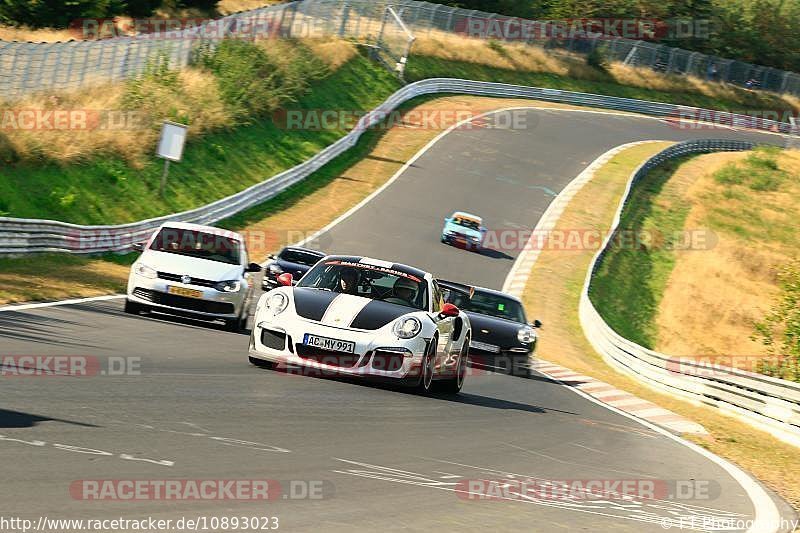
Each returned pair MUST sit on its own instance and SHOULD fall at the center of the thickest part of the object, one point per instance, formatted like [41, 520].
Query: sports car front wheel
[428, 364]
[454, 384]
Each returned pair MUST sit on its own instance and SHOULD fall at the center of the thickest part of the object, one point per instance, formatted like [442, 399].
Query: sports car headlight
[232, 285]
[275, 269]
[407, 328]
[526, 335]
[145, 271]
[277, 303]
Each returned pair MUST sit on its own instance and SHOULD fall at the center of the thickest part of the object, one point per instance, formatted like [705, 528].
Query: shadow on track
[15, 419]
[462, 398]
[40, 329]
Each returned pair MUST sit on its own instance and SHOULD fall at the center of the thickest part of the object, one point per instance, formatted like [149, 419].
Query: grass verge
[553, 292]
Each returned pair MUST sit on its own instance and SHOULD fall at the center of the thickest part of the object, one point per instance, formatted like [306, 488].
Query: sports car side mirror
[449, 311]
[536, 324]
[285, 279]
[138, 247]
[253, 267]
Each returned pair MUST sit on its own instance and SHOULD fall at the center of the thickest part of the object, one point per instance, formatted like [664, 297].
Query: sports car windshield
[197, 244]
[368, 281]
[300, 257]
[486, 303]
[466, 223]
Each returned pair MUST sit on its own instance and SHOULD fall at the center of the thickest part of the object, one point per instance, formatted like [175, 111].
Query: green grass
[630, 282]
[108, 191]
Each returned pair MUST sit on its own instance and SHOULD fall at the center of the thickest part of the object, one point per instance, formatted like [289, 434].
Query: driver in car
[348, 282]
[405, 290]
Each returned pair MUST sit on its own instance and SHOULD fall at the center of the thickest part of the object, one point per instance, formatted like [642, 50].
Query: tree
[56, 13]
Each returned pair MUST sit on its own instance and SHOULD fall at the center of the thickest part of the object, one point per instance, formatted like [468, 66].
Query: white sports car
[358, 316]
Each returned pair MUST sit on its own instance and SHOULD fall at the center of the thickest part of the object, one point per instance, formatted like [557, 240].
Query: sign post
[170, 147]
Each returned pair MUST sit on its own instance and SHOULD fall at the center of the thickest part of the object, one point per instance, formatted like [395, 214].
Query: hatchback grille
[182, 302]
[192, 281]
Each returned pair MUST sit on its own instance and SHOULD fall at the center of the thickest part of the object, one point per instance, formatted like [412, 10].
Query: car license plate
[183, 291]
[326, 343]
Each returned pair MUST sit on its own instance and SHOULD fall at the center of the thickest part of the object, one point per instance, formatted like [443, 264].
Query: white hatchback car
[191, 270]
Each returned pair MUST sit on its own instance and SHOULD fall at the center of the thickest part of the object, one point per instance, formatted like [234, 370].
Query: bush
[56, 13]
[254, 81]
[780, 329]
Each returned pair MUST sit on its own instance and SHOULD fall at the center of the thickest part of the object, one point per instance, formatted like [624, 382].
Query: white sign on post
[170, 147]
[173, 137]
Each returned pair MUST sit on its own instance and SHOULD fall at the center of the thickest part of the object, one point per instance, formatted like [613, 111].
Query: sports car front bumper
[376, 354]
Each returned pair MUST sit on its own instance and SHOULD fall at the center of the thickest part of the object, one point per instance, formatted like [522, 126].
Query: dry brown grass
[195, 99]
[43, 35]
[553, 292]
[226, 7]
[332, 51]
[117, 129]
[513, 56]
[66, 277]
[713, 297]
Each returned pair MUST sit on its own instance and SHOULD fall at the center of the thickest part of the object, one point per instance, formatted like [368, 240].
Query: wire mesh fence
[30, 67]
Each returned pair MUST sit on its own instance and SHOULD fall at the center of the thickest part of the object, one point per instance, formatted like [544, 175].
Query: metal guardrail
[26, 68]
[20, 236]
[770, 403]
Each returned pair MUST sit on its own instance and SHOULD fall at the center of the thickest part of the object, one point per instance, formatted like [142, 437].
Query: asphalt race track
[386, 459]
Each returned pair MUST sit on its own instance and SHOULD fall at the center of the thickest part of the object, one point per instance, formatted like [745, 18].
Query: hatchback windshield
[198, 244]
[368, 281]
[467, 223]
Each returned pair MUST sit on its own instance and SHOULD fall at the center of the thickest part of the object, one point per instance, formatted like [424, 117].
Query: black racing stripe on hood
[312, 303]
[377, 314]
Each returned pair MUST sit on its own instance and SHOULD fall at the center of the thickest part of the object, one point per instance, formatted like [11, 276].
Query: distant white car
[358, 316]
[191, 270]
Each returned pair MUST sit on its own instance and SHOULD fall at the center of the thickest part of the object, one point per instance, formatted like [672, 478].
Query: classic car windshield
[300, 257]
[486, 303]
[368, 281]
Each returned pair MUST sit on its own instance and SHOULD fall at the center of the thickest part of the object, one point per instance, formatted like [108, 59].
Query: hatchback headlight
[526, 335]
[145, 271]
[232, 285]
[277, 303]
[407, 328]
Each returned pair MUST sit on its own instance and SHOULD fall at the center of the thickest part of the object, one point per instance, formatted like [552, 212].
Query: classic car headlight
[526, 335]
[232, 285]
[277, 303]
[145, 271]
[407, 328]
[275, 269]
